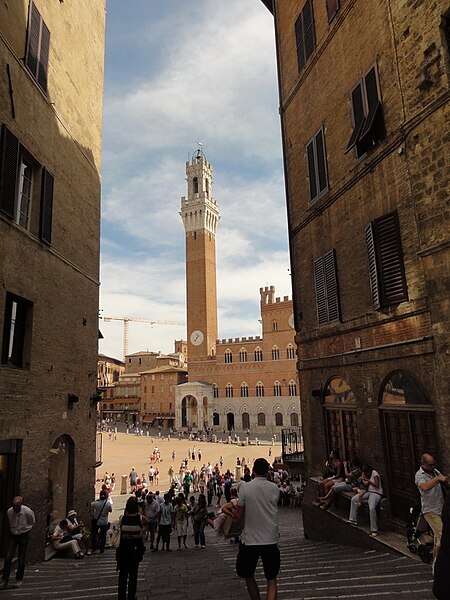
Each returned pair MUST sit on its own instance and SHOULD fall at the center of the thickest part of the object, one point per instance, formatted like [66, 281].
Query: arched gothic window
[278, 419]
[258, 355]
[229, 390]
[261, 419]
[243, 355]
[275, 353]
[215, 391]
[195, 185]
[244, 390]
[277, 388]
[292, 388]
[259, 389]
[290, 351]
[228, 356]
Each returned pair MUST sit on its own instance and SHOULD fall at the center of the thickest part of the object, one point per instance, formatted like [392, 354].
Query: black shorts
[248, 557]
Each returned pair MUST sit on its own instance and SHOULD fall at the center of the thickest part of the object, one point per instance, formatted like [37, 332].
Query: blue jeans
[16, 541]
[372, 500]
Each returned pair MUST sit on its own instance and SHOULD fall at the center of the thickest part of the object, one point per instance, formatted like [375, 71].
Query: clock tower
[200, 216]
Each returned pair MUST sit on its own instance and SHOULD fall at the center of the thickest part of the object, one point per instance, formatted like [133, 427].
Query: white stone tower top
[199, 211]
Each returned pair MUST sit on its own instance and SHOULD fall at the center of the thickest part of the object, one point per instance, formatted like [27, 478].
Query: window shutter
[8, 171]
[33, 40]
[299, 41]
[390, 260]
[46, 206]
[321, 299]
[43, 57]
[321, 161]
[308, 27]
[331, 286]
[373, 275]
[311, 171]
[332, 8]
[358, 117]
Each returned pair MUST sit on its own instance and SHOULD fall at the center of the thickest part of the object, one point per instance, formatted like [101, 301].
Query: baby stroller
[419, 536]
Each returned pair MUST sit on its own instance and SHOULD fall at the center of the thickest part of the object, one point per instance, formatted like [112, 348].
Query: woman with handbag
[100, 525]
[131, 549]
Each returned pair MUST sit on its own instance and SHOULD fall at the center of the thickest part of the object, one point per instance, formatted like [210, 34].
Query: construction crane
[126, 321]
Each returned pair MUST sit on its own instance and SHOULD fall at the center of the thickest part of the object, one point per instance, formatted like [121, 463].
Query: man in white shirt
[21, 520]
[152, 510]
[258, 503]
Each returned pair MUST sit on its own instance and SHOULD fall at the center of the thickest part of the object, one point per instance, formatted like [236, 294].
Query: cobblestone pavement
[310, 571]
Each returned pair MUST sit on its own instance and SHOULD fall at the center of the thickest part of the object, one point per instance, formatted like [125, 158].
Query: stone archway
[189, 411]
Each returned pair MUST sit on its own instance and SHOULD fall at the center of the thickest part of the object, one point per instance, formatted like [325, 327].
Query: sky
[178, 73]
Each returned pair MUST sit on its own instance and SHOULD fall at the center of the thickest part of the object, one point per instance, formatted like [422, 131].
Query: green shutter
[9, 160]
[46, 207]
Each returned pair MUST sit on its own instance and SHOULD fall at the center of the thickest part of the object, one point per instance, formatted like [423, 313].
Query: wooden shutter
[299, 35]
[358, 117]
[386, 268]
[33, 41]
[308, 29]
[321, 162]
[311, 171]
[321, 299]
[46, 206]
[373, 274]
[332, 8]
[9, 160]
[331, 286]
[43, 57]
[390, 259]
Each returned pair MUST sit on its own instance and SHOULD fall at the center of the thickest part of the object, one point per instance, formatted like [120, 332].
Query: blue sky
[177, 73]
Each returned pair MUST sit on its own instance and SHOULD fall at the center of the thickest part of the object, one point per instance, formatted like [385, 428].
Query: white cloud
[207, 72]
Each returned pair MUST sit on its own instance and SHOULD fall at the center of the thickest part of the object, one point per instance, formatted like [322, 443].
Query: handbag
[114, 540]
[232, 528]
[66, 538]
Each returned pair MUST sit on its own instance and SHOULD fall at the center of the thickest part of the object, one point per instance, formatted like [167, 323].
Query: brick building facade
[50, 152]
[240, 384]
[364, 90]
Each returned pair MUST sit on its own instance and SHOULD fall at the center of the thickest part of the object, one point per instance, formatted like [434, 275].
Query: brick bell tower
[200, 216]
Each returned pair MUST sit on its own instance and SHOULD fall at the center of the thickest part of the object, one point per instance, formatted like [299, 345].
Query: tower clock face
[197, 337]
[291, 321]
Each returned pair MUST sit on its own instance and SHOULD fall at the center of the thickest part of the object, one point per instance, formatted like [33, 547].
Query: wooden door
[408, 435]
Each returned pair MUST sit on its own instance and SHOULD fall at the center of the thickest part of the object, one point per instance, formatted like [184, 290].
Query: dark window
[216, 419]
[386, 268]
[317, 166]
[244, 390]
[294, 420]
[38, 46]
[17, 180]
[260, 390]
[195, 183]
[215, 391]
[17, 331]
[245, 421]
[242, 355]
[277, 389]
[332, 8]
[228, 356]
[229, 390]
[304, 34]
[368, 117]
[292, 388]
[258, 355]
[326, 284]
[279, 419]
[275, 353]
[445, 29]
[261, 419]
[290, 352]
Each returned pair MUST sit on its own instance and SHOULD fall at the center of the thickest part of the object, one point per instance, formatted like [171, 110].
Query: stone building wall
[53, 393]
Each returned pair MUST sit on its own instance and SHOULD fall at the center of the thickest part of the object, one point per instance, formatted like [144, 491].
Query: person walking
[441, 583]
[131, 549]
[152, 510]
[200, 517]
[428, 479]
[258, 505]
[165, 524]
[21, 520]
[99, 525]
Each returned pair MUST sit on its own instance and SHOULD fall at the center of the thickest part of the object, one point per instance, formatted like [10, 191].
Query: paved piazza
[130, 450]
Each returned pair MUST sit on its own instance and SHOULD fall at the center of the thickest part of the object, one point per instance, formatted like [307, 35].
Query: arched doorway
[245, 421]
[341, 419]
[189, 412]
[408, 423]
[230, 421]
[60, 478]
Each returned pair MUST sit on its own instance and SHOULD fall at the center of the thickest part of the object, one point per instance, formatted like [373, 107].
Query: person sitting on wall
[353, 474]
[372, 496]
[333, 473]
